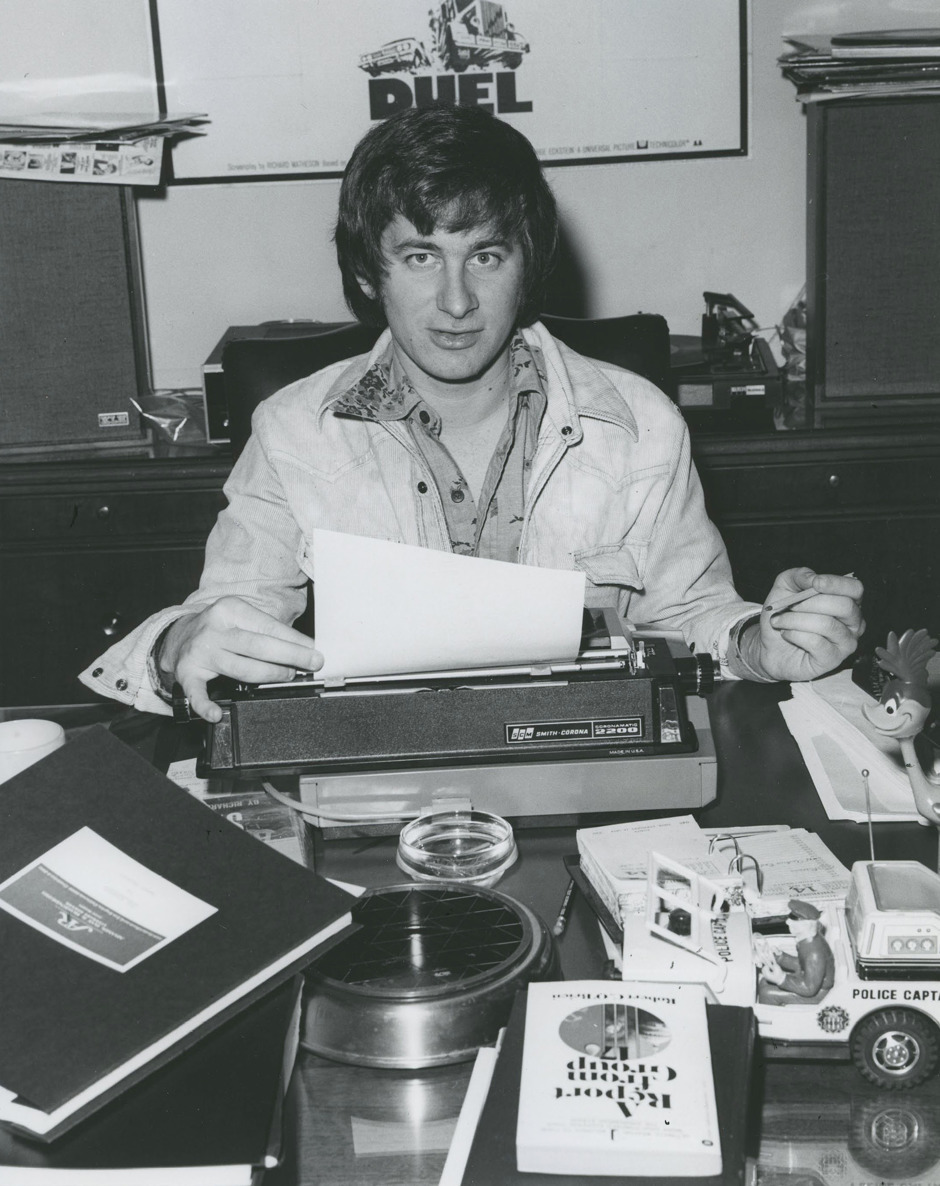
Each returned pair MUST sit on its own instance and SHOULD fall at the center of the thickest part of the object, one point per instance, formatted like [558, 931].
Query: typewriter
[618, 728]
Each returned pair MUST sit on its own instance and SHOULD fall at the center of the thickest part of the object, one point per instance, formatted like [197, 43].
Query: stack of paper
[115, 149]
[127, 126]
[615, 858]
[872, 65]
[837, 743]
[787, 862]
[793, 863]
[211, 1117]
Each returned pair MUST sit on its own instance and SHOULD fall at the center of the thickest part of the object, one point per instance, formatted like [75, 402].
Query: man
[469, 428]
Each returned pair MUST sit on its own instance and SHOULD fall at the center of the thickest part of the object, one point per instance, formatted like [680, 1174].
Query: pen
[795, 599]
[562, 920]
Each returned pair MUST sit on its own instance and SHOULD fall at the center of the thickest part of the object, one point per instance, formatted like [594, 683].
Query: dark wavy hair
[443, 168]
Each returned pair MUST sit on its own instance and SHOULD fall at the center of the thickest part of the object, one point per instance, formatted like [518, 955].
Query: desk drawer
[67, 606]
[96, 517]
[780, 490]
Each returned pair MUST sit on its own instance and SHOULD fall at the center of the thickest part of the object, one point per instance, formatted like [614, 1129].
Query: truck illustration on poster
[463, 33]
[476, 33]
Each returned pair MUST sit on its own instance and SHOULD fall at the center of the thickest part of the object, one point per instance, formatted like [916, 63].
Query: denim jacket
[612, 492]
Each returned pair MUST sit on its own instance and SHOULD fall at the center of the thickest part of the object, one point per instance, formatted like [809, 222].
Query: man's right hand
[234, 638]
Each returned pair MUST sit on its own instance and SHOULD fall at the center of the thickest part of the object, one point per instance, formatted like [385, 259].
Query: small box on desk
[717, 390]
[213, 380]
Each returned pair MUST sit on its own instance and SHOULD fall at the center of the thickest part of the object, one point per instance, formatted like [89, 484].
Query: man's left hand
[805, 640]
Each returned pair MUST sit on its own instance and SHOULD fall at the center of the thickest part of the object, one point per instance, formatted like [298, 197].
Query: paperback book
[492, 1157]
[617, 1079]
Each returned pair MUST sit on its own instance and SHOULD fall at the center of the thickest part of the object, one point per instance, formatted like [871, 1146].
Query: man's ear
[367, 288]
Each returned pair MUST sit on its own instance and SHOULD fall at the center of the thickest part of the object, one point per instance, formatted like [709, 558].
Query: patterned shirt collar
[385, 393]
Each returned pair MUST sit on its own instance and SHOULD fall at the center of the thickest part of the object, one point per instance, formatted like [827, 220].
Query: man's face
[451, 299]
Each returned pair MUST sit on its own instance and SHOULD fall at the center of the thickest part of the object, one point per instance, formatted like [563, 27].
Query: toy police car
[880, 1005]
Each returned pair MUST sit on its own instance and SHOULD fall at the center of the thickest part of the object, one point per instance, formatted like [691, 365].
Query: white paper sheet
[469, 1118]
[385, 608]
[795, 864]
[838, 742]
[837, 703]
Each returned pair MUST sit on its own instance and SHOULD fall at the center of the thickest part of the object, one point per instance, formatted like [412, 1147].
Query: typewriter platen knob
[179, 701]
[698, 672]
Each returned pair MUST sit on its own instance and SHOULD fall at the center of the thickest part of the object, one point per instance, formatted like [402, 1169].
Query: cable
[316, 814]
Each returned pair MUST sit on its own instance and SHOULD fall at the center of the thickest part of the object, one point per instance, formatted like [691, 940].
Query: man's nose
[456, 297]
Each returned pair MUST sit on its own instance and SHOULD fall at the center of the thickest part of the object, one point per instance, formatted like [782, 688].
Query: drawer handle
[834, 480]
[103, 512]
[111, 626]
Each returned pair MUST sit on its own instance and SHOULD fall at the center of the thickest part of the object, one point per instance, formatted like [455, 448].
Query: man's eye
[420, 259]
[487, 259]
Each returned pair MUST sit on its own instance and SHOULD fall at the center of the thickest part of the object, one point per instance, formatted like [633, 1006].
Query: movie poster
[290, 87]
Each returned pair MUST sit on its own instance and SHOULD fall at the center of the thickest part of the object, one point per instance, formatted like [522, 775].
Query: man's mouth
[455, 339]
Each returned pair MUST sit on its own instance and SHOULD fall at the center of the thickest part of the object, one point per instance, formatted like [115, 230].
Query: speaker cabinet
[873, 267]
[72, 341]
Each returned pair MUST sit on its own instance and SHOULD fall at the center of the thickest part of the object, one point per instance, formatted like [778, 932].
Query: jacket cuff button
[566, 431]
[422, 487]
[97, 673]
[121, 685]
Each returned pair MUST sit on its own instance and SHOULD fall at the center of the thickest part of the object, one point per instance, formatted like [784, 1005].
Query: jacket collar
[575, 387]
[384, 391]
[351, 374]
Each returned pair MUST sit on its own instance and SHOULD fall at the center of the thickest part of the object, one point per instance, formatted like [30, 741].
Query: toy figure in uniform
[811, 972]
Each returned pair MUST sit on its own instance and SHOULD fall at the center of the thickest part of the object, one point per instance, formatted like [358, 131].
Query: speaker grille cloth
[882, 247]
[67, 348]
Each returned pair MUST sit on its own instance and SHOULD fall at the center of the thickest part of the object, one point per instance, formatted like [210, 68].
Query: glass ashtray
[472, 847]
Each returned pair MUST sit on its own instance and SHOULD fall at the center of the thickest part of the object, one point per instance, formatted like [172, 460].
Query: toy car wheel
[895, 1048]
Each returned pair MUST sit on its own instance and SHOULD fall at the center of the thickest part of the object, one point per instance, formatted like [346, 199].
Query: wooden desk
[816, 1122]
